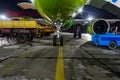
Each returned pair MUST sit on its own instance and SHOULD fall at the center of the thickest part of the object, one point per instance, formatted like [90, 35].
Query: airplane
[61, 13]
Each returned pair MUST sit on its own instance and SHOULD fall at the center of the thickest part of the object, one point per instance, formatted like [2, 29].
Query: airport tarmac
[78, 59]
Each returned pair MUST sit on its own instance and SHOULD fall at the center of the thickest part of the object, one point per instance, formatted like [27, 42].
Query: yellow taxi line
[60, 66]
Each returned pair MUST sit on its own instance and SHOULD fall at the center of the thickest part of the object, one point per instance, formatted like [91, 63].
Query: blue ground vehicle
[111, 40]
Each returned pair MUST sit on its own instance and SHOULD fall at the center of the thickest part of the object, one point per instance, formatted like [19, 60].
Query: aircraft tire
[75, 35]
[79, 35]
[61, 40]
[54, 40]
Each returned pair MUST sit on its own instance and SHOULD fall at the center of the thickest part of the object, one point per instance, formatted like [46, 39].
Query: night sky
[10, 4]
[10, 8]
[6, 6]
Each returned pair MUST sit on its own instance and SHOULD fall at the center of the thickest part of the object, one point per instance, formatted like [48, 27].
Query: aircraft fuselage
[64, 9]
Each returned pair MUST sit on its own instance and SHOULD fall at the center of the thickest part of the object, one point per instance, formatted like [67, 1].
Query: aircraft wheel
[54, 40]
[79, 34]
[61, 41]
[112, 45]
[75, 35]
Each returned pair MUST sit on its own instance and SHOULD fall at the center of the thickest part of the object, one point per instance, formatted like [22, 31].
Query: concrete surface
[81, 60]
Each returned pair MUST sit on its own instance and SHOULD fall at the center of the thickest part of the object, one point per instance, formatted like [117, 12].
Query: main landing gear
[77, 32]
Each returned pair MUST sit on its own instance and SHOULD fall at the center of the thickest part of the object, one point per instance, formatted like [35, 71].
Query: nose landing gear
[57, 40]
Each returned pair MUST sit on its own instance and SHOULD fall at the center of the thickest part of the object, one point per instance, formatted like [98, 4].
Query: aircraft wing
[25, 5]
[112, 6]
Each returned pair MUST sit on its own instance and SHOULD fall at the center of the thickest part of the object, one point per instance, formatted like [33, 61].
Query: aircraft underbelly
[64, 9]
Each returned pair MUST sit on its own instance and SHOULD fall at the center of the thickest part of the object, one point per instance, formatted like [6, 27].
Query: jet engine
[98, 27]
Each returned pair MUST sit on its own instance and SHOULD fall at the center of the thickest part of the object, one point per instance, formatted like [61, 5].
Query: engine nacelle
[98, 27]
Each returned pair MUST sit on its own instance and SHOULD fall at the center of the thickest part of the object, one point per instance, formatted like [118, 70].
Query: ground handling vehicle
[22, 30]
[112, 40]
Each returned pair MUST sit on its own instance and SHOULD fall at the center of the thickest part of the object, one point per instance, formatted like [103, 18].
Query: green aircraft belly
[64, 9]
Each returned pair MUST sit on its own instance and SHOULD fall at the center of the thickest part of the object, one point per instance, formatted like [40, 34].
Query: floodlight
[90, 18]
[32, 1]
[4, 17]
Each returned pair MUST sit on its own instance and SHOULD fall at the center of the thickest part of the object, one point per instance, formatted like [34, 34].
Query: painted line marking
[60, 66]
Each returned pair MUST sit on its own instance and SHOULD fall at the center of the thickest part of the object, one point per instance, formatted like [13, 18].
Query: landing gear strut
[58, 37]
[77, 31]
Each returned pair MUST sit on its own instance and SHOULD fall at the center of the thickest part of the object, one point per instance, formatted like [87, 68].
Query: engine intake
[100, 27]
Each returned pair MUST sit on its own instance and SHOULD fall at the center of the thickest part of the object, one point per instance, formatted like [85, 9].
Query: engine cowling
[98, 27]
